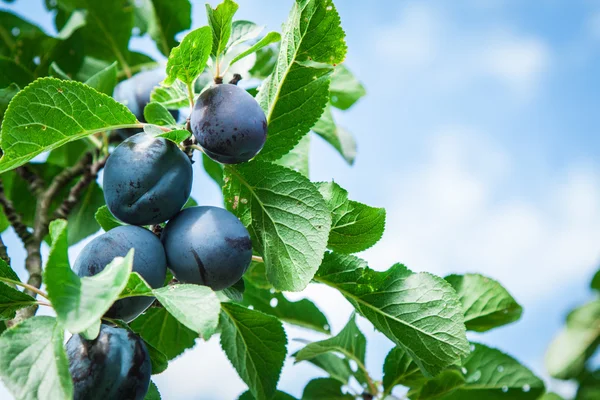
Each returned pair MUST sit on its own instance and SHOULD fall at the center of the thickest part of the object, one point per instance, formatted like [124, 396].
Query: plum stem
[258, 259]
[26, 286]
[196, 147]
[236, 78]
[190, 90]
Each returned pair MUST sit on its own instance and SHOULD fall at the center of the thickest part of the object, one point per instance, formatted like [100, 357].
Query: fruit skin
[116, 365]
[147, 180]
[207, 246]
[149, 261]
[229, 124]
[135, 92]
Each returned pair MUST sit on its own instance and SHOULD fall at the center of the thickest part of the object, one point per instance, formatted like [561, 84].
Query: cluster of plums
[147, 181]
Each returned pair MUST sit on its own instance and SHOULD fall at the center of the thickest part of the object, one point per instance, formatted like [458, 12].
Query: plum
[147, 180]
[207, 246]
[116, 365]
[229, 124]
[149, 261]
[135, 92]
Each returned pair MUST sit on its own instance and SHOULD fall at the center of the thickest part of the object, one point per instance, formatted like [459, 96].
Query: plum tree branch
[89, 175]
[4, 252]
[35, 183]
[13, 217]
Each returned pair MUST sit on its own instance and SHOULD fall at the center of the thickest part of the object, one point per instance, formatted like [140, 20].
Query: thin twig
[187, 143]
[89, 175]
[41, 303]
[13, 217]
[35, 183]
[26, 286]
[40, 226]
[4, 252]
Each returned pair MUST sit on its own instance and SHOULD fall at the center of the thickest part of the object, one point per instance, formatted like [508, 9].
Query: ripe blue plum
[229, 124]
[135, 92]
[149, 261]
[207, 246]
[147, 180]
[116, 365]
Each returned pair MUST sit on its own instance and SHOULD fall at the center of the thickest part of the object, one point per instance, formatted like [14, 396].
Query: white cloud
[429, 45]
[454, 214]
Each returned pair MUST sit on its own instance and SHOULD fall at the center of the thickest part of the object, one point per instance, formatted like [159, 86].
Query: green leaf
[446, 383]
[157, 114]
[236, 291]
[271, 37]
[107, 30]
[595, 284]
[136, 286]
[257, 276]
[296, 93]
[286, 216]
[242, 31]
[12, 300]
[418, 311]
[486, 303]
[159, 361]
[152, 393]
[568, 352]
[7, 272]
[68, 154]
[350, 342]
[164, 20]
[266, 58]
[106, 220]
[55, 71]
[255, 343]
[589, 387]
[187, 61]
[6, 95]
[277, 396]
[161, 330]
[337, 367]
[219, 21]
[11, 72]
[338, 137]
[33, 363]
[49, 113]
[82, 222]
[400, 369]
[491, 374]
[195, 306]
[177, 135]
[554, 396]
[297, 158]
[171, 97]
[4, 222]
[325, 388]
[92, 331]
[213, 169]
[81, 302]
[302, 313]
[104, 81]
[345, 89]
[354, 226]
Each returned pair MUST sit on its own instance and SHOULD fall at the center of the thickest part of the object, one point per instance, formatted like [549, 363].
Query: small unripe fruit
[229, 124]
[116, 365]
[147, 180]
[149, 261]
[207, 246]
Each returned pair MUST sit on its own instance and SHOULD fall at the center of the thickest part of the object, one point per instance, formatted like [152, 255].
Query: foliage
[60, 124]
[570, 355]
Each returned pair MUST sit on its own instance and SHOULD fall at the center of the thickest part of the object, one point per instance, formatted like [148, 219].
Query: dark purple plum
[116, 365]
[229, 124]
[207, 246]
[149, 261]
[147, 180]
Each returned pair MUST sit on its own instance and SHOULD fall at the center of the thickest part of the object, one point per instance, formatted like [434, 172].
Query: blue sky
[478, 135]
